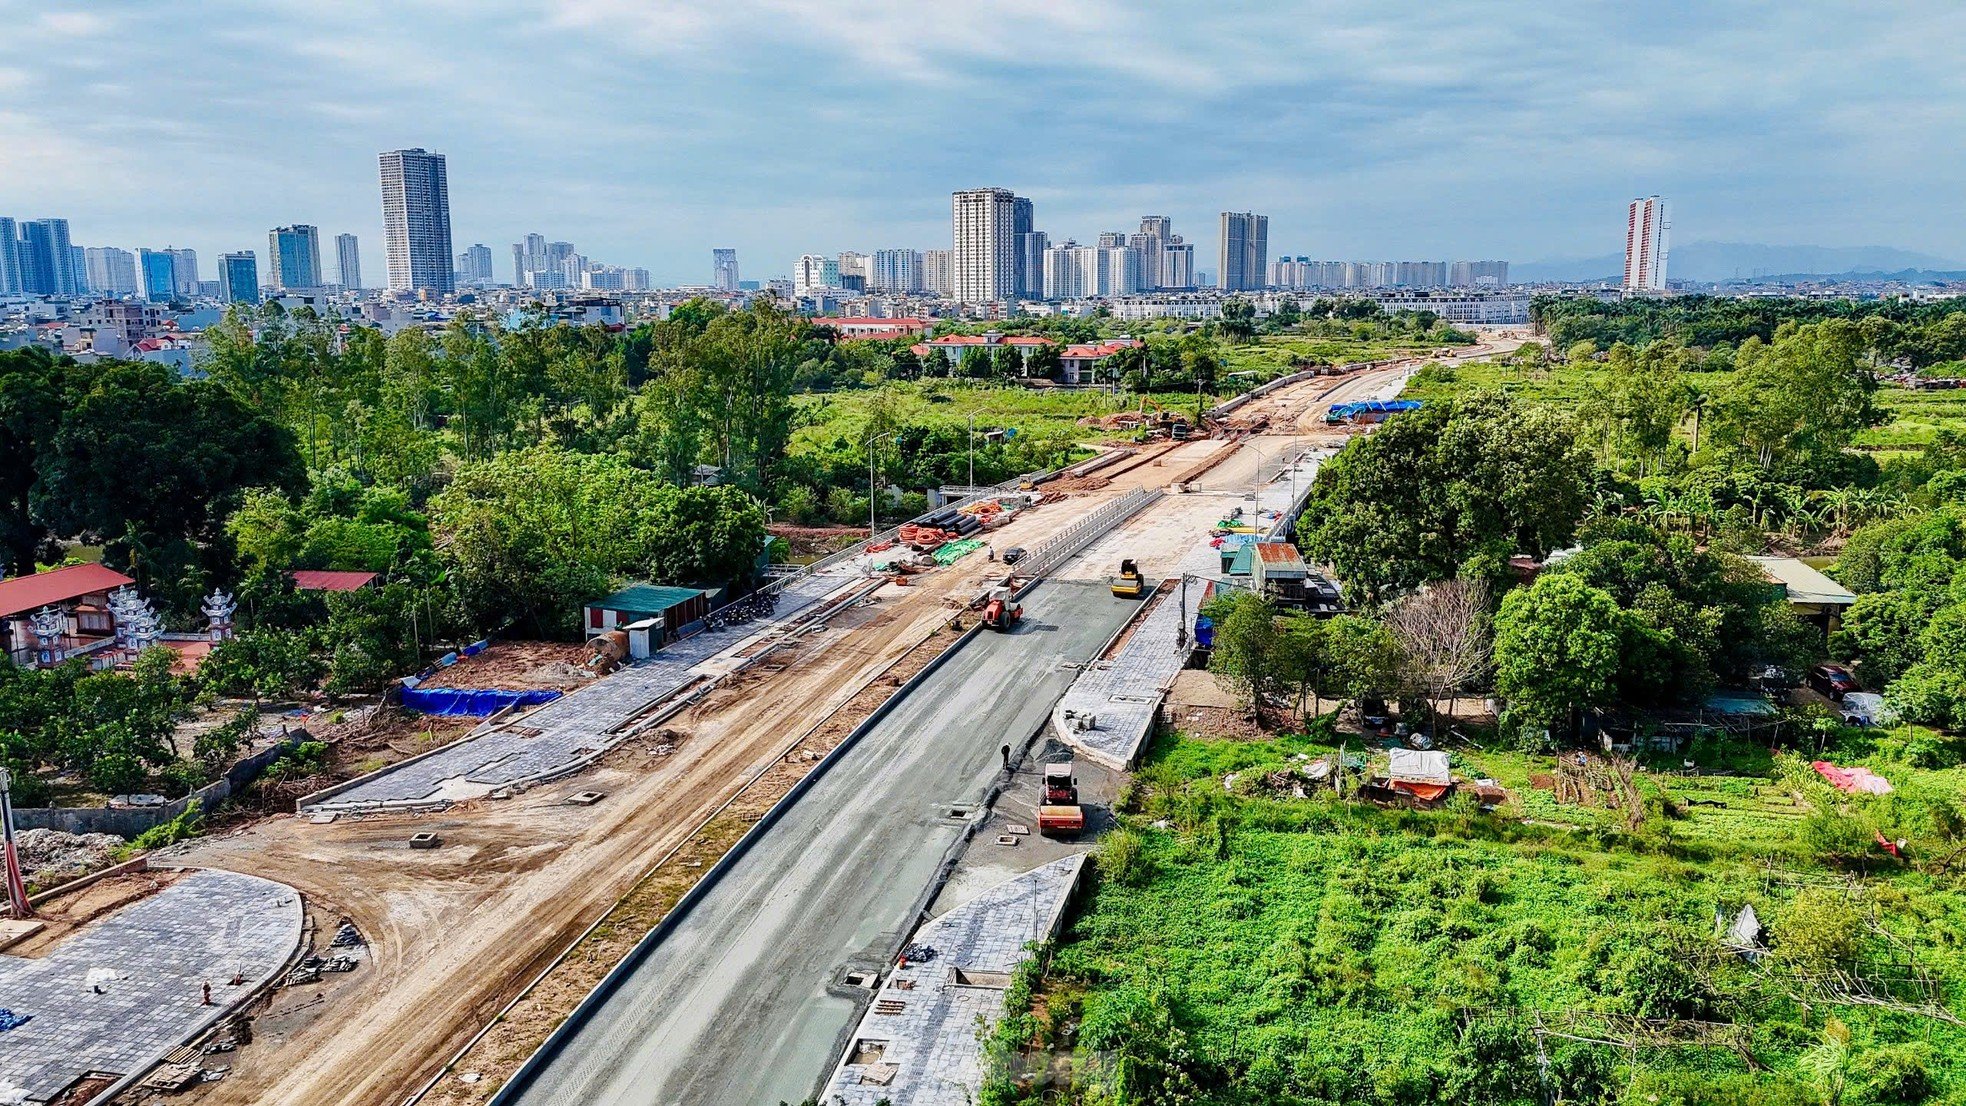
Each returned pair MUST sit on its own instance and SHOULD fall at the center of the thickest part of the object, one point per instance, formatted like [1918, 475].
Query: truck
[1060, 785]
[1129, 584]
[1000, 611]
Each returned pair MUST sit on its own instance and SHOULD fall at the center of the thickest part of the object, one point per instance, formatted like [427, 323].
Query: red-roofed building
[867, 327]
[311, 579]
[77, 595]
[953, 346]
[1081, 362]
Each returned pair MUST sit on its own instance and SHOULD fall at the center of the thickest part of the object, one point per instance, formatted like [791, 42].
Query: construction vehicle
[1060, 786]
[1062, 820]
[1000, 611]
[1129, 584]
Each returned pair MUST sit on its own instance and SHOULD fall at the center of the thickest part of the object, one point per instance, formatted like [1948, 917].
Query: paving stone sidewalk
[129, 987]
[921, 1042]
[570, 727]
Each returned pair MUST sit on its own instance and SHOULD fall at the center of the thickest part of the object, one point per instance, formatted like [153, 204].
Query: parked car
[1013, 555]
[1833, 680]
[1773, 677]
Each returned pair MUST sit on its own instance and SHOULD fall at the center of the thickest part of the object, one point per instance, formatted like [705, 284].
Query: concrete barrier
[128, 822]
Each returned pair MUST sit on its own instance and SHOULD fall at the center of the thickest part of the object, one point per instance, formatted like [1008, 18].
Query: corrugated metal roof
[647, 598]
[314, 579]
[1804, 584]
[57, 585]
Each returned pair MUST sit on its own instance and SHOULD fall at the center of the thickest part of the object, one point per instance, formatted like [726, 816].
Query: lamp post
[873, 527]
[972, 452]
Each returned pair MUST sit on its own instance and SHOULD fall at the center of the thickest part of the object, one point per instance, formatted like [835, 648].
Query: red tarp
[1852, 780]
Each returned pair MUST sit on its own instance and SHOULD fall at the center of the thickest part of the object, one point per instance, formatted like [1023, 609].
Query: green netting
[955, 550]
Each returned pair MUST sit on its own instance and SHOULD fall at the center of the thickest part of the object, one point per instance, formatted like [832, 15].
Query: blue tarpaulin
[473, 703]
[11, 1020]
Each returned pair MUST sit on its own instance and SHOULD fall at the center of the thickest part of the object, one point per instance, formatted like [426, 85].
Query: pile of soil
[518, 666]
[813, 542]
[49, 857]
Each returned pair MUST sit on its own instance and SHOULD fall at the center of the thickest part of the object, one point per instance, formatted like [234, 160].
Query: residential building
[1030, 261]
[1648, 238]
[1478, 274]
[1420, 274]
[1118, 271]
[1071, 271]
[46, 263]
[112, 272]
[416, 221]
[1023, 222]
[1245, 251]
[896, 271]
[185, 263]
[348, 261]
[723, 263]
[293, 258]
[953, 346]
[10, 279]
[855, 265]
[158, 268]
[866, 327]
[939, 272]
[984, 222]
[474, 265]
[238, 277]
[1177, 266]
[78, 264]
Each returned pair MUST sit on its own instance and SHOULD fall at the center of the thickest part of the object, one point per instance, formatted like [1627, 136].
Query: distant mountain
[1741, 260]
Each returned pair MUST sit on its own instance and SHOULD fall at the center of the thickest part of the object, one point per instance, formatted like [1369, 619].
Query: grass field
[1915, 419]
[1273, 356]
[1243, 945]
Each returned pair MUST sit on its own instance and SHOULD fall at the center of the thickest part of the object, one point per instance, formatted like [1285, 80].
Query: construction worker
[208, 995]
[1006, 758]
[991, 550]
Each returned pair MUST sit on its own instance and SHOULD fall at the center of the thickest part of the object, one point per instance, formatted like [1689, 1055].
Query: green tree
[1245, 652]
[1557, 650]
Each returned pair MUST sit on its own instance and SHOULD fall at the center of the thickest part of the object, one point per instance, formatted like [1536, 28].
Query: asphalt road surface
[740, 1004]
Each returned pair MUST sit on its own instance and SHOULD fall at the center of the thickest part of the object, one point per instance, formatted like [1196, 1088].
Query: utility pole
[972, 452]
[16, 887]
[873, 526]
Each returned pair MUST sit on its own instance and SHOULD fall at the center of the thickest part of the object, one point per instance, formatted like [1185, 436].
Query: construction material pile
[926, 539]
[49, 856]
[953, 551]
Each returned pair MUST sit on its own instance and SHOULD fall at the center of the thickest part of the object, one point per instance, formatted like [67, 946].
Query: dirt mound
[50, 856]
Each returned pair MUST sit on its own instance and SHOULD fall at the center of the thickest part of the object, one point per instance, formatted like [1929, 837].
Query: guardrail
[1063, 547]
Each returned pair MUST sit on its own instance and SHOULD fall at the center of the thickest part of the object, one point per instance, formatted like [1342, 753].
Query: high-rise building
[158, 268]
[1245, 251]
[1023, 221]
[348, 261]
[1119, 271]
[853, 264]
[723, 267]
[416, 221]
[1648, 237]
[112, 272]
[1071, 271]
[10, 280]
[1030, 260]
[47, 265]
[809, 273]
[984, 222]
[186, 264]
[939, 272]
[474, 265]
[293, 258]
[1478, 274]
[896, 271]
[78, 267]
[1177, 265]
[238, 277]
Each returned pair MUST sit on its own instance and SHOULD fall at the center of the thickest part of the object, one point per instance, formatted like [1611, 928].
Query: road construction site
[523, 892]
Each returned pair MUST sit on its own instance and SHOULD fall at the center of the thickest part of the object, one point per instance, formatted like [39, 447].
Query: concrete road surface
[740, 1004]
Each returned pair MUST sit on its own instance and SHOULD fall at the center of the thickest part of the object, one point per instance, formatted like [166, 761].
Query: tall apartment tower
[416, 222]
[238, 277]
[159, 271]
[293, 258]
[186, 261]
[1023, 221]
[723, 267]
[1648, 237]
[9, 256]
[1245, 256]
[47, 263]
[348, 261]
[112, 272]
[939, 272]
[896, 271]
[984, 253]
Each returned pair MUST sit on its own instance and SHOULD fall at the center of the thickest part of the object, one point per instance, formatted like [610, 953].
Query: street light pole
[873, 526]
[972, 452]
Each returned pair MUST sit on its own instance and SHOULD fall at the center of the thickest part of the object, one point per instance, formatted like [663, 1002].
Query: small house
[312, 579]
[672, 608]
[1815, 597]
[72, 605]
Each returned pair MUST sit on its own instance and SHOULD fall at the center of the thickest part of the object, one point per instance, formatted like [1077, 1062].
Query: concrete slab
[1111, 707]
[921, 1042]
[739, 1004]
[128, 988]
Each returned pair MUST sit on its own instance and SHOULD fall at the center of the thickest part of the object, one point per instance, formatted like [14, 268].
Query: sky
[649, 131]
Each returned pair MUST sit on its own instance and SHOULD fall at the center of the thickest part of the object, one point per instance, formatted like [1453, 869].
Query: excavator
[1000, 611]
[1129, 584]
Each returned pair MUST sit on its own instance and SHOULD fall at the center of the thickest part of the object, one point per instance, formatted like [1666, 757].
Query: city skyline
[1464, 136]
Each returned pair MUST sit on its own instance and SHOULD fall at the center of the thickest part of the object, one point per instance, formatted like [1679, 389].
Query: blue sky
[648, 131]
